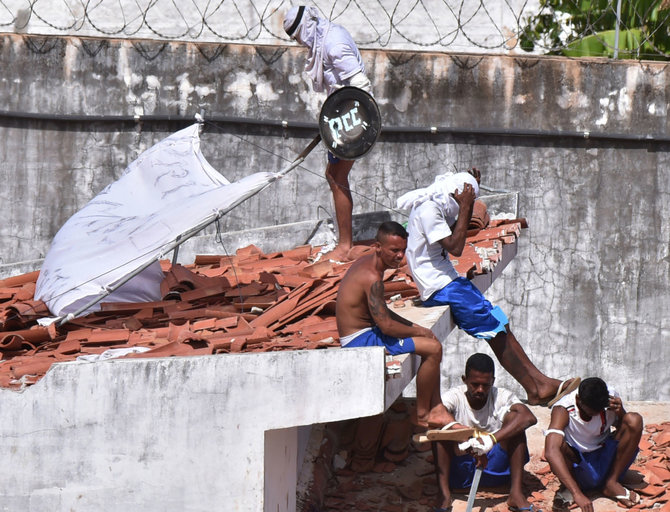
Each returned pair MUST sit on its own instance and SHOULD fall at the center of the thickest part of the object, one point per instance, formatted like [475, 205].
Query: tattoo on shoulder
[376, 300]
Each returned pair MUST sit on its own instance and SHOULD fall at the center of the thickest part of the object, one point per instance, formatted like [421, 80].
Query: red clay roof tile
[246, 302]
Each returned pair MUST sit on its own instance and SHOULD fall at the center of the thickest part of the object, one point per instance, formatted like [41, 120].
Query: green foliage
[587, 28]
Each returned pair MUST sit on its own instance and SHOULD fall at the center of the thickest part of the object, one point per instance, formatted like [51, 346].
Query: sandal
[630, 496]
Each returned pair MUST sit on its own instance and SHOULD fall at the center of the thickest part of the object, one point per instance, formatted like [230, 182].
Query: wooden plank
[460, 435]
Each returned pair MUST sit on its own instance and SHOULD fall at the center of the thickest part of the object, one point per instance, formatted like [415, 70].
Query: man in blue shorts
[478, 403]
[437, 227]
[581, 448]
[364, 320]
[333, 61]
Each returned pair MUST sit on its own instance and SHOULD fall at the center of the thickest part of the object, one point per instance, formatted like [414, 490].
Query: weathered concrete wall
[185, 433]
[588, 292]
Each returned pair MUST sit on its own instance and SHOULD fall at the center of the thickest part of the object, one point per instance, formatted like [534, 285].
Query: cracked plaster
[587, 292]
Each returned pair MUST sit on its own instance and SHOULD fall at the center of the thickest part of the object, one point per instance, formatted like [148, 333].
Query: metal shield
[349, 123]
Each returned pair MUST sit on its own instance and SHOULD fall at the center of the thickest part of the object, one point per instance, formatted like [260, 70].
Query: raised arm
[455, 242]
[553, 443]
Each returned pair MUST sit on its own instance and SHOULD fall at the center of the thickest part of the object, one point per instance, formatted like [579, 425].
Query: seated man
[437, 227]
[478, 403]
[581, 448]
[364, 320]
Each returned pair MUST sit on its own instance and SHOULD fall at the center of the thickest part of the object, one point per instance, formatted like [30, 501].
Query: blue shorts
[332, 159]
[470, 309]
[497, 471]
[593, 467]
[375, 338]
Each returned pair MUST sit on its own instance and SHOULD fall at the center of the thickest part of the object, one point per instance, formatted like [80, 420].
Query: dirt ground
[409, 485]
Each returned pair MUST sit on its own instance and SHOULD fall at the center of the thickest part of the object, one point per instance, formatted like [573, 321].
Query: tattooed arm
[389, 322]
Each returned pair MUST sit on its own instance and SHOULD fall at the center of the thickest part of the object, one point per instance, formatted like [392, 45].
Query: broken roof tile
[250, 301]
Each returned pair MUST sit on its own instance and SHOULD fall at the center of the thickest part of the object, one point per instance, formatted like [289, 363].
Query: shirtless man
[364, 320]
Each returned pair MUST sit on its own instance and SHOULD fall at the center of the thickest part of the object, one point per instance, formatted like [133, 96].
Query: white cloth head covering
[311, 33]
[440, 193]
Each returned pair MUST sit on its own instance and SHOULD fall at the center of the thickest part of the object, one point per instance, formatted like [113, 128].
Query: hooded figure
[433, 217]
[440, 192]
[333, 60]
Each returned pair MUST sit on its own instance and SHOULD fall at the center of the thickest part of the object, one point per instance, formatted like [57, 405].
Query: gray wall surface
[588, 291]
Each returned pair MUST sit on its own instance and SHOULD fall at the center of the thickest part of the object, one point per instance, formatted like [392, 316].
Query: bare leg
[442, 453]
[629, 438]
[338, 179]
[513, 358]
[429, 408]
[516, 451]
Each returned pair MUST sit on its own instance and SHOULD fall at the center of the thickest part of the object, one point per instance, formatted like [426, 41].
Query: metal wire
[454, 25]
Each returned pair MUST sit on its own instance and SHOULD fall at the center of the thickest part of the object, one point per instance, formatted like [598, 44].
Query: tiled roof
[249, 302]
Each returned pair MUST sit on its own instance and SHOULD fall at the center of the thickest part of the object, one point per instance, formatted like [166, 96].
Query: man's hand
[616, 406]
[426, 333]
[482, 461]
[477, 446]
[476, 174]
[466, 198]
[584, 504]
[483, 445]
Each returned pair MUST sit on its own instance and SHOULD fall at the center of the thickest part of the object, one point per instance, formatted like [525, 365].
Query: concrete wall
[588, 291]
[187, 434]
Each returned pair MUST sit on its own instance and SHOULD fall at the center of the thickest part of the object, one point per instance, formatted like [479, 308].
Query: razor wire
[480, 26]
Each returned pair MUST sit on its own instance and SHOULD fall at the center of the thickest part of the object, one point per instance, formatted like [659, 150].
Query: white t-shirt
[341, 58]
[489, 418]
[586, 436]
[429, 262]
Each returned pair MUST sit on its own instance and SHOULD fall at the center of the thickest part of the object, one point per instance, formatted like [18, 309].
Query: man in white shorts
[581, 448]
[437, 227]
[478, 403]
[333, 61]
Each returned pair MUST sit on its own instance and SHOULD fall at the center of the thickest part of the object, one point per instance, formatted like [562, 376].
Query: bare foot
[437, 417]
[340, 253]
[518, 502]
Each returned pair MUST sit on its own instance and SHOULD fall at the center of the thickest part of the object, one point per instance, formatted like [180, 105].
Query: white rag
[440, 192]
[311, 32]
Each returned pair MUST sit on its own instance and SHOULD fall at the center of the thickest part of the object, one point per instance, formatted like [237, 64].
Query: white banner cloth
[168, 191]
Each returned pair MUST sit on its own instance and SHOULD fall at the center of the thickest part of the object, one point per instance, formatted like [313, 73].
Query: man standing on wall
[333, 61]
[364, 320]
[437, 227]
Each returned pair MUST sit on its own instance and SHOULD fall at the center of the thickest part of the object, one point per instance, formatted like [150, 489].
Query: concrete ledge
[182, 433]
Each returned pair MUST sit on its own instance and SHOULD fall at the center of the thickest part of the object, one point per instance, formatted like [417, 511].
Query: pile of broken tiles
[248, 302]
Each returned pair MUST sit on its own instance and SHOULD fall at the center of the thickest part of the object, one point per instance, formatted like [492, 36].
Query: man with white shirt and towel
[437, 227]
